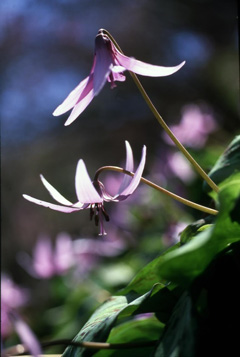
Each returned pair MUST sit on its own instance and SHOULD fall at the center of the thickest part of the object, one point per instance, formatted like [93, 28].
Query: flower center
[98, 212]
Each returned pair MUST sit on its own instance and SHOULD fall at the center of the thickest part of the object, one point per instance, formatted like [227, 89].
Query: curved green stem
[165, 126]
[159, 188]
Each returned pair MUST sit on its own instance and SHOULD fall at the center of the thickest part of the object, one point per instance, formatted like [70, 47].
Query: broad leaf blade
[147, 276]
[227, 164]
[189, 261]
[104, 318]
[178, 338]
[137, 330]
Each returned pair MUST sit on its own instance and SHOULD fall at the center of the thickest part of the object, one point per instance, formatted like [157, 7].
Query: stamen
[111, 80]
[91, 213]
[98, 211]
[106, 216]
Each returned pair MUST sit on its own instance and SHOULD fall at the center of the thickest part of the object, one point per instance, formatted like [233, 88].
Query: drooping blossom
[194, 128]
[12, 298]
[108, 65]
[92, 195]
[48, 261]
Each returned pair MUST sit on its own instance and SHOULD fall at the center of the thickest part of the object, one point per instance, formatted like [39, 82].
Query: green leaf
[192, 229]
[227, 164]
[147, 276]
[144, 329]
[104, 318]
[186, 263]
[178, 338]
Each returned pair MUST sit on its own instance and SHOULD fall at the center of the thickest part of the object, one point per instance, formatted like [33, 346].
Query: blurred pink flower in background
[89, 252]
[47, 261]
[195, 126]
[180, 167]
[12, 298]
[108, 65]
[81, 255]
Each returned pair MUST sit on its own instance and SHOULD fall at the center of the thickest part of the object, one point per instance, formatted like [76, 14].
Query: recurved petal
[86, 193]
[128, 166]
[135, 180]
[80, 107]
[51, 205]
[145, 69]
[71, 99]
[54, 193]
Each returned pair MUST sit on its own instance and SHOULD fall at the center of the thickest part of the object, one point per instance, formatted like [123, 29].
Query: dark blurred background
[47, 49]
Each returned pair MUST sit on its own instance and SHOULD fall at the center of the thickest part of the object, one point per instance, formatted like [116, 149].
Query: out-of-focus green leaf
[147, 276]
[178, 338]
[227, 164]
[145, 329]
[104, 318]
[190, 260]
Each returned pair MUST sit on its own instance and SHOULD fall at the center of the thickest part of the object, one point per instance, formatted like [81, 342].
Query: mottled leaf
[104, 318]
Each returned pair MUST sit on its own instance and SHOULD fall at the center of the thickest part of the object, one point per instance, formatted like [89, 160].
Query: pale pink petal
[128, 166]
[86, 193]
[136, 179]
[118, 69]
[27, 336]
[51, 205]
[81, 206]
[145, 69]
[104, 62]
[80, 107]
[71, 99]
[54, 193]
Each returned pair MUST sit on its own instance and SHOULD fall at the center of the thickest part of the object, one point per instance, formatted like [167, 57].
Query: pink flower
[48, 261]
[108, 65]
[195, 126]
[93, 194]
[180, 167]
[13, 297]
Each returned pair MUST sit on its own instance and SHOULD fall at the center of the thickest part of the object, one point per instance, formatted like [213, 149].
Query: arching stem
[158, 188]
[197, 167]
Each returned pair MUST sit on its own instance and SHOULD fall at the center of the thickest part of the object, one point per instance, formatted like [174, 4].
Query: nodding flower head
[92, 195]
[108, 65]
